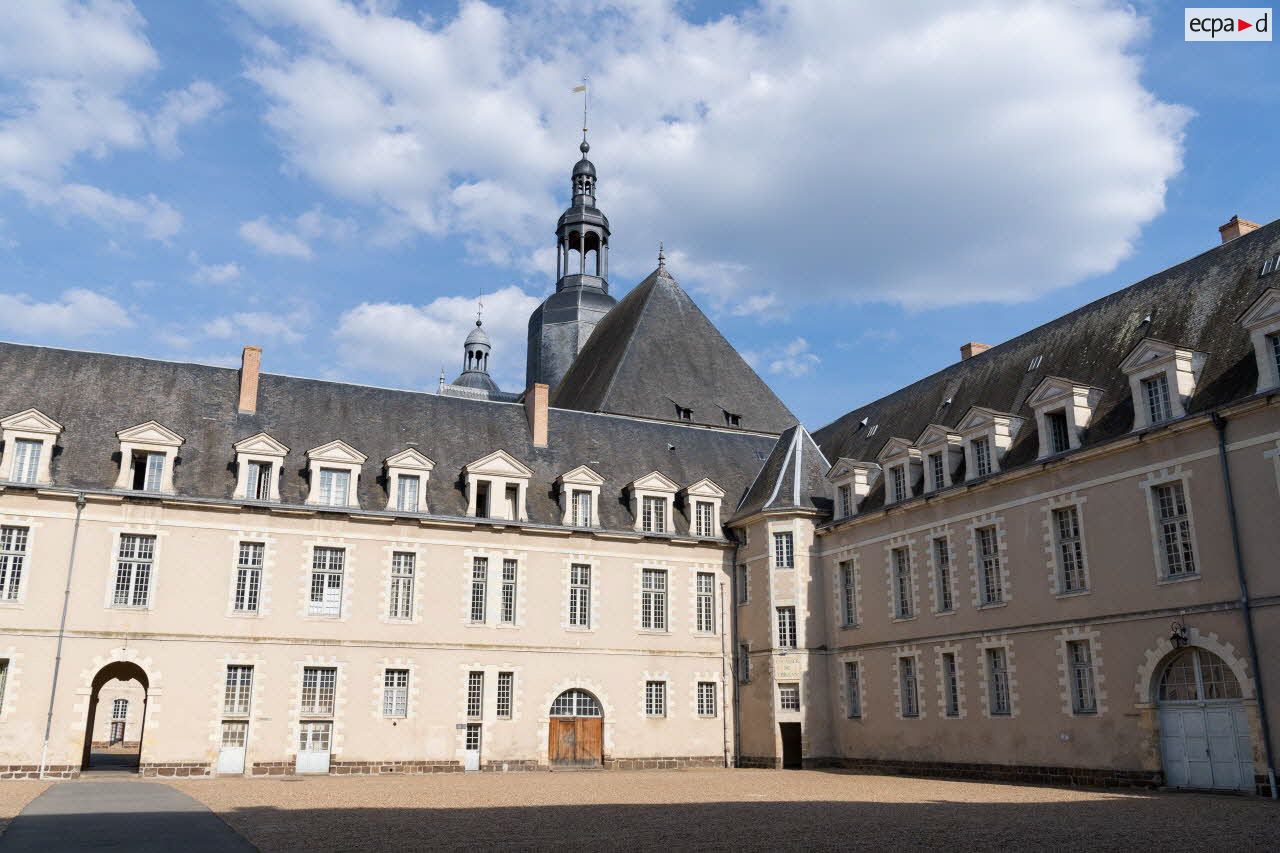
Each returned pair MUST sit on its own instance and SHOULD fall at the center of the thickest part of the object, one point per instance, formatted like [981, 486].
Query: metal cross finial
[479, 308]
[662, 259]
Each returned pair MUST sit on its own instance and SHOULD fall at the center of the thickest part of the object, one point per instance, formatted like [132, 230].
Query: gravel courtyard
[721, 809]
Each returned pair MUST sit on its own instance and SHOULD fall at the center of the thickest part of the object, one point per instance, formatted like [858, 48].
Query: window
[1156, 393]
[899, 483]
[471, 742]
[120, 709]
[4, 679]
[258, 481]
[654, 519]
[13, 558]
[732, 420]
[482, 499]
[653, 600]
[655, 698]
[950, 684]
[238, 690]
[326, 581]
[942, 566]
[786, 627]
[789, 697]
[1059, 436]
[744, 663]
[581, 509]
[990, 584]
[506, 683]
[580, 595]
[1197, 675]
[706, 699]
[395, 693]
[846, 501]
[512, 494]
[148, 471]
[407, 486]
[318, 690]
[26, 460]
[1175, 530]
[133, 571]
[400, 600]
[509, 569]
[235, 734]
[704, 512]
[852, 690]
[475, 695]
[784, 551]
[1084, 699]
[744, 581]
[684, 414]
[249, 577]
[872, 430]
[576, 703]
[479, 588]
[848, 594]
[982, 456]
[1066, 526]
[335, 487]
[998, 682]
[1273, 343]
[908, 687]
[938, 465]
[902, 583]
[706, 621]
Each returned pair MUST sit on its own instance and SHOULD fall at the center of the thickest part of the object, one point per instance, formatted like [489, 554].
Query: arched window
[1197, 675]
[576, 703]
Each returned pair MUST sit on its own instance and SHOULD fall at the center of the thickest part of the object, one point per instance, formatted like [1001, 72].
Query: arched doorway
[1204, 729]
[116, 719]
[576, 730]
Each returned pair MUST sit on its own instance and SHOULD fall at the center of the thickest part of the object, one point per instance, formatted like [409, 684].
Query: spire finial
[584, 147]
[479, 308]
[662, 259]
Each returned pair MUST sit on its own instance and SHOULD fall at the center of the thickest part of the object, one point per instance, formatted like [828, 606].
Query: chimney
[535, 409]
[971, 349]
[1237, 227]
[250, 361]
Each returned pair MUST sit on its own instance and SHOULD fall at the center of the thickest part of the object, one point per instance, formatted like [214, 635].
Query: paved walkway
[139, 817]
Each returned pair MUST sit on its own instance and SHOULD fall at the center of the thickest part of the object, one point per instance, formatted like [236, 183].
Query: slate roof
[1193, 305]
[655, 351]
[94, 395]
[791, 478]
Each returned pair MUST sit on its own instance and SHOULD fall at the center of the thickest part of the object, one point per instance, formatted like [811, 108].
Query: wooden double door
[576, 741]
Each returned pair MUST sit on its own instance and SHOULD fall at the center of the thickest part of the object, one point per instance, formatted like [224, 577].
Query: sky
[850, 190]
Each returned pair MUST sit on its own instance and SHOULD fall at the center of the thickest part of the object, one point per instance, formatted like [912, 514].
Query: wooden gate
[576, 741]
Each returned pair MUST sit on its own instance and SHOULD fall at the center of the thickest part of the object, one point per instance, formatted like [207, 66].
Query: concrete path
[139, 817]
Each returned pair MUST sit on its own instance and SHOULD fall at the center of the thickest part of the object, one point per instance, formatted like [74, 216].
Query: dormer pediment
[895, 447]
[337, 451]
[260, 445]
[704, 488]
[1054, 388]
[499, 463]
[1265, 309]
[152, 433]
[581, 476]
[980, 418]
[937, 434]
[1149, 351]
[410, 459]
[844, 468]
[32, 420]
[654, 482]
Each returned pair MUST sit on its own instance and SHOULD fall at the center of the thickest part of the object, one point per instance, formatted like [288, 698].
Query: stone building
[1051, 561]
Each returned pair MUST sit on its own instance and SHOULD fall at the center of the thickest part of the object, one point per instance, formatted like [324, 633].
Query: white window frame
[944, 575]
[789, 701]
[28, 425]
[1156, 398]
[251, 559]
[1262, 321]
[1075, 402]
[702, 499]
[237, 690]
[1153, 487]
[404, 571]
[655, 590]
[504, 697]
[580, 490]
[259, 450]
[784, 549]
[138, 441]
[988, 564]
[655, 698]
[15, 545]
[509, 601]
[475, 694]
[395, 693]
[847, 571]
[999, 681]
[337, 457]
[853, 689]
[402, 468]
[1180, 367]
[949, 677]
[580, 582]
[653, 514]
[1068, 548]
[329, 604]
[858, 476]
[986, 427]
[653, 485]
[902, 581]
[939, 445]
[705, 602]
[320, 684]
[1081, 679]
[743, 583]
[786, 627]
[478, 612]
[140, 563]
[706, 699]
[909, 688]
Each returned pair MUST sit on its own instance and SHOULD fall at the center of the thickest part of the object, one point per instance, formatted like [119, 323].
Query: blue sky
[850, 192]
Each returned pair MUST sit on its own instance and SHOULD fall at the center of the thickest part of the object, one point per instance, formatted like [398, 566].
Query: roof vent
[873, 429]
[1270, 265]
[863, 422]
[1236, 227]
[971, 349]
[1035, 363]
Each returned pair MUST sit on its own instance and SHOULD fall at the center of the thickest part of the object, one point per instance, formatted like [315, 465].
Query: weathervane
[583, 90]
[662, 259]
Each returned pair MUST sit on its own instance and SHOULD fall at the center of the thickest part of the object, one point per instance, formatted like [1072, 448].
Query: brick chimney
[250, 362]
[971, 349]
[1237, 227]
[535, 408]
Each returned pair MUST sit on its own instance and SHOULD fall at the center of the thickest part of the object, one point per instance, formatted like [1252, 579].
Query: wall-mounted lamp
[1178, 636]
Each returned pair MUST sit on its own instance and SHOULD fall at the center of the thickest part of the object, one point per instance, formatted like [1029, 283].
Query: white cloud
[252, 326]
[77, 312]
[411, 343]
[792, 359]
[183, 107]
[294, 240]
[922, 154]
[215, 273]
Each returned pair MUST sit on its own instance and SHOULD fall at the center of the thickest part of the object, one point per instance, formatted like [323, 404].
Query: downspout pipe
[1246, 611]
[735, 645]
[724, 677]
[62, 631]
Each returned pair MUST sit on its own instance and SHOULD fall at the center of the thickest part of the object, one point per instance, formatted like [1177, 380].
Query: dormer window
[1063, 410]
[852, 480]
[987, 436]
[654, 515]
[497, 487]
[683, 413]
[334, 469]
[1162, 378]
[902, 463]
[942, 451]
[407, 474]
[703, 502]
[582, 513]
[900, 492]
[845, 493]
[259, 463]
[652, 497]
[29, 438]
[982, 456]
[731, 419]
[1059, 437]
[259, 481]
[1155, 393]
[147, 455]
[580, 497]
[1262, 320]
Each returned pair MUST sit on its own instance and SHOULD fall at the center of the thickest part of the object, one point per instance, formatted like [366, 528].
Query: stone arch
[544, 713]
[116, 670]
[1163, 649]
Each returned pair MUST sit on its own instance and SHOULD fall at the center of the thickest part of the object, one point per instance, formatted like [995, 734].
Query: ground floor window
[789, 697]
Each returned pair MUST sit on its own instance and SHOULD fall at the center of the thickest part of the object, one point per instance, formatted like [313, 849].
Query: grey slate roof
[1194, 304]
[793, 477]
[655, 351]
[95, 395]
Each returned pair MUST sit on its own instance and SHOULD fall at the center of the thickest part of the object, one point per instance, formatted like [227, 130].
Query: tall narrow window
[1059, 437]
[326, 581]
[513, 502]
[942, 565]
[1175, 530]
[1156, 392]
[902, 583]
[581, 509]
[846, 501]
[475, 695]
[982, 456]
[482, 498]
[13, 558]
[703, 512]
[1274, 342]
[786, 627]
[852, 690]
[318, 685]
[26, 460]
[706, 620]
[654, 515]
[238, 691]
[937, 465]
[1084, 699]
[899, 483]
[998, 682]
[509, 573]
[403, 565]
[951, 684]
[395, 693]
[148, 471]
[784, 556]
[249, 577]
[506, 683]
[120, 709]
[908, 687]
[706, 699]
[133, 571]
[848, 594]
[655, 698]
[653, 600]
[744, 581]
[335, 487]
[479, 588]
[990, 584]
[407, 486]
[744, 663]
[580, 595]
[1066, 526]
[258, 481]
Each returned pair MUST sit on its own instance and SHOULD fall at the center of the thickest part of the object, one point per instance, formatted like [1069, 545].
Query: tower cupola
[582, 234]
[475, 361]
